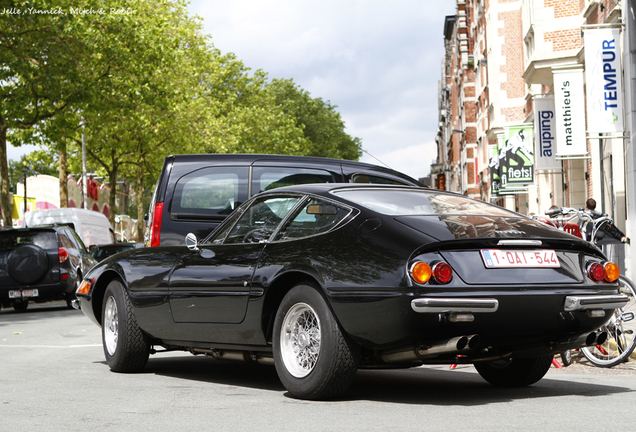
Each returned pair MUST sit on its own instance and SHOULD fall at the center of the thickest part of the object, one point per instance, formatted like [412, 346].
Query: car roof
[324, 188]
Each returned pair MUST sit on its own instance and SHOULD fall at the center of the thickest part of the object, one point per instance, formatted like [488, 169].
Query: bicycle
[621, 328]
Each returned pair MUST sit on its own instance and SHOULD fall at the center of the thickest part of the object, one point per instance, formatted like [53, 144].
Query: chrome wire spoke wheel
[111, 326]
[300, 340]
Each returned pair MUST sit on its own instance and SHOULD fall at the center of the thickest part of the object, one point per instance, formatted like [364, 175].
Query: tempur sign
[603, 78]
[570, 112]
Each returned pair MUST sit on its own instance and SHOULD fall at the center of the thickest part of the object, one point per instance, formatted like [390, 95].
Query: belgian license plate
[23, 293]
[520, 258]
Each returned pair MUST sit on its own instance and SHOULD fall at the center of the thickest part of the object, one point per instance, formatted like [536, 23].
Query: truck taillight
[155, 227]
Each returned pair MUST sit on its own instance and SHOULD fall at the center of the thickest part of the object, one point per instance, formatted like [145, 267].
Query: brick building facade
[501, 56]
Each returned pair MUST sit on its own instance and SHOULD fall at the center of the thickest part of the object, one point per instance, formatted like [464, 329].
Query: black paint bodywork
[225, 296]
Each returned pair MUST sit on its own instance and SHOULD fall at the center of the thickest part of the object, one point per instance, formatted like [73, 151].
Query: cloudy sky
[379, 61]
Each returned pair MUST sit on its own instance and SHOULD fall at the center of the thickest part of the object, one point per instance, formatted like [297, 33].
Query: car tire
[517, 372]
[28, 264]
[20, 305]
[314, 359]
[126, 347]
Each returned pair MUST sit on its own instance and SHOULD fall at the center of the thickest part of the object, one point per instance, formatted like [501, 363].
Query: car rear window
[267, 178]
[44, 239]
[209, 192]
[399, 202]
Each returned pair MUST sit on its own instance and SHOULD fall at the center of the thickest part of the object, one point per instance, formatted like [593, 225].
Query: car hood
[463, 227]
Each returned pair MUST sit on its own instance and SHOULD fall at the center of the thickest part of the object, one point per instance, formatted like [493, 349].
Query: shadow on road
[423, 385]
[36, 311]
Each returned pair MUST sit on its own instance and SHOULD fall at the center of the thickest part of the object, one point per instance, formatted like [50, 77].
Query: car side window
[65, 242]
[267, 178]
[209, 193]
[260, 220]
[315, 217]
[77, 241]
[366, 178]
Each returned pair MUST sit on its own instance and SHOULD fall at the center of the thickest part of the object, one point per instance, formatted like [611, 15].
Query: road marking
[49, 346]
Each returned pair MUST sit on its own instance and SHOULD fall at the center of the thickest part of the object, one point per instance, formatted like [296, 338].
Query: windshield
[399, 202]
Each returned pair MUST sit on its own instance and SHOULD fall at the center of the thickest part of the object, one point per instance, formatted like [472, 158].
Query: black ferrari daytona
[324, 279]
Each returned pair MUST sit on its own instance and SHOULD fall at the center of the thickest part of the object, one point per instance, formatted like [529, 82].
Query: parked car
[101, 252]
[41, 264]
[195, 193]
[92, 227]
[324, 279]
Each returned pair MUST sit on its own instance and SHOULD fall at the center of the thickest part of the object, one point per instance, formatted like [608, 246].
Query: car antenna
[376, 158]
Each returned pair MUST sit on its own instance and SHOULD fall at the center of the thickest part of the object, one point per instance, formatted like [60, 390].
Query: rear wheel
[313, 357]
[126, 347]
[620, 330]
[20, 305]
[516, 372]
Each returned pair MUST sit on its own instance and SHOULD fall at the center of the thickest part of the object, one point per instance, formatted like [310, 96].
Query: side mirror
[192, 242]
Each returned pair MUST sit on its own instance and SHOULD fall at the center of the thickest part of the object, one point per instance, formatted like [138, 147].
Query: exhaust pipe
[452, 345]
[582, 340]
[245, 356]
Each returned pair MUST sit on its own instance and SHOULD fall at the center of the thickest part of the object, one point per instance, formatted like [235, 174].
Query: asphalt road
[53, 377]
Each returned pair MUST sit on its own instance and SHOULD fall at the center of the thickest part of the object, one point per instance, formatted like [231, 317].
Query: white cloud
[378, 61]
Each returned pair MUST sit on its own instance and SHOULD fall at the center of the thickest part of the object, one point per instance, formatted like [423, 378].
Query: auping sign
[545, 134]
[603, 78]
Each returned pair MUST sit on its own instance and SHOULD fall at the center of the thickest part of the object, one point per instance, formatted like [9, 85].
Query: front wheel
[126, 347]
[516, 372]
[314, 359]
[620, 330]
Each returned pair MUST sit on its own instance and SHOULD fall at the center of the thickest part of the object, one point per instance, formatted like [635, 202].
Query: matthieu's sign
[569, 104]
[603, 81]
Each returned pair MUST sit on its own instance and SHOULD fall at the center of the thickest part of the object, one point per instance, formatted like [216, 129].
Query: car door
[212, 284]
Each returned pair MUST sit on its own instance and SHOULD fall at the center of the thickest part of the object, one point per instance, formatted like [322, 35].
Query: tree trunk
[63, 177]
[5, 203]
[140, 189]
[112, 177]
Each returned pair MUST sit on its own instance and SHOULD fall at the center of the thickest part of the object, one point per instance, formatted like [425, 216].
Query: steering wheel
[255, 235]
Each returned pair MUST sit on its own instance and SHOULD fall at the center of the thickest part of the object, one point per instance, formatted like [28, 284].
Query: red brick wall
[512, 49]
[563, 40]
[564, 8]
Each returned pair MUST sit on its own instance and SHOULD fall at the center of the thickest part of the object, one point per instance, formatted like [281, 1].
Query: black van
[195, 193]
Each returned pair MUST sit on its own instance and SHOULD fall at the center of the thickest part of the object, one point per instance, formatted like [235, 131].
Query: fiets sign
[603, 79]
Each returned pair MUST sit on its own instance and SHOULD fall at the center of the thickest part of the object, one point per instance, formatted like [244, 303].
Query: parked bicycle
[599, 229]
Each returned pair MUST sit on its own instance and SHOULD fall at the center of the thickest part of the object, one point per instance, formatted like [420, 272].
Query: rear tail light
[442, 273]
[612, 272]
[155, 227]
[421, 272]
[62, 254]
[596, 272]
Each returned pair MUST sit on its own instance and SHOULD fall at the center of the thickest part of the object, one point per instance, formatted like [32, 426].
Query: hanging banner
[495, 174]
[545, 134]
[569, 103]
[516, 158]
[603, 81]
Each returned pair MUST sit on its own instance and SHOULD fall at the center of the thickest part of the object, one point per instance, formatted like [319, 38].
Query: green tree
[40, 59]
[320, 122]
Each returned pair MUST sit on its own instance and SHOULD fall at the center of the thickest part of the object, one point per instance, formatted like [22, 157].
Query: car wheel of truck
[126, 347]
[517, 372]
[314, 359]
[20, 305]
